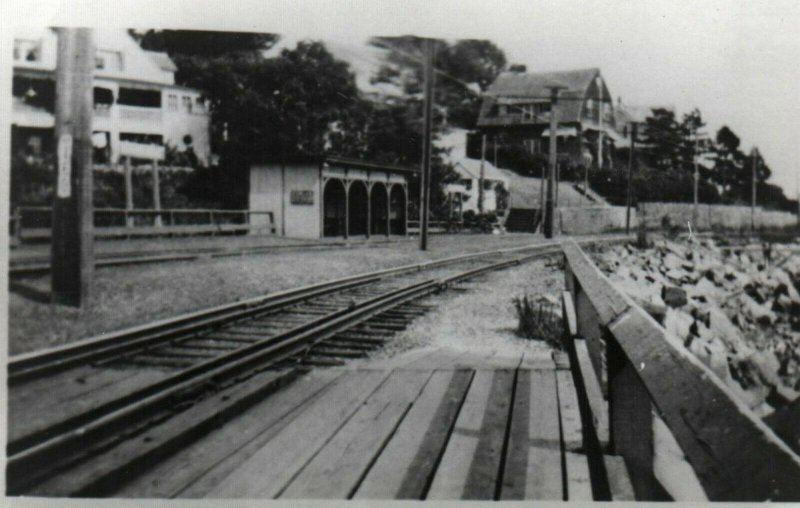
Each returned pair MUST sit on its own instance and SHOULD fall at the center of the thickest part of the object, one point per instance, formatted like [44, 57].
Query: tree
[467, 68]
[663, 140]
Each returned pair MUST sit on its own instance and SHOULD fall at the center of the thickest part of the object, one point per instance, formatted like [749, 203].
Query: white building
[138, 107]
[467, 188]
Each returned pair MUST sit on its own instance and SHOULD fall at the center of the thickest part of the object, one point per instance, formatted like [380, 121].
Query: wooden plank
[579, 484]
[192, 472]
[61, 402]
[608, 302]
[406, 465]
[591, 330]
[439, 359]
[727, 445]
[336, 471]
[561, 360]
[569, 413]
[619, 481]
[262, 476]
[671, 468]
[598, 407]
[515, 466]
[533, 465]
[102, 474]
[537, 360]
[471, 461]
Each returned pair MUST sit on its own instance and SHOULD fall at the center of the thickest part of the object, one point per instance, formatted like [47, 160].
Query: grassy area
[132, 295]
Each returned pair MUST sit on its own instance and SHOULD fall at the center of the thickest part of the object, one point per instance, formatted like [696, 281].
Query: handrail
[646, 372]
[122, 222]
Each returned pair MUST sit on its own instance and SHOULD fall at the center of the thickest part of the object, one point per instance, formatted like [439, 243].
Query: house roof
[537, 84]
[471, 168]
[163, 60]
[335, 160]
[516, 87]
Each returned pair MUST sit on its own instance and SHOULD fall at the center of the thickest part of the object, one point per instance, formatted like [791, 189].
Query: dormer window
[108, 60]
[27, 50]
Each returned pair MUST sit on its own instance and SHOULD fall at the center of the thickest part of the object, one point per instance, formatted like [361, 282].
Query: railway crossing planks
[337, 469]
[194, 471]
[272, 468]
[471, 461]
[406, 465]
[101, 474]
[533, 468]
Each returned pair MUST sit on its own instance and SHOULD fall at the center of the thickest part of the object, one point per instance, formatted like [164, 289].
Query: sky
[735, 60]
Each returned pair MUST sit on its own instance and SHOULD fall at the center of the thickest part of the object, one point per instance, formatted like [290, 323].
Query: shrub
[538, 320]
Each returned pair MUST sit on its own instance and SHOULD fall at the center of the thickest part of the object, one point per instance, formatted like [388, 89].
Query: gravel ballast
[132, 295]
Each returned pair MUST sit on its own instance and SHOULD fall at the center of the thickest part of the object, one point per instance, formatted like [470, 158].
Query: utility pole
[72, 248]
[481, 177]
[600, 132]
[426, 145]
[630, 174]
[753, 205]
[156, 194]
[495, 150]
[695, 210]
[128, 192]
[548, 212]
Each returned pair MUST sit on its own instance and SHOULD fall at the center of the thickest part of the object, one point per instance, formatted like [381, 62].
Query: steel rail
[29, 461]
[44, 362]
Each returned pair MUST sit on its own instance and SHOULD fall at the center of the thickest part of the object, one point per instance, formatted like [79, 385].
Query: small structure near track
[326, 196]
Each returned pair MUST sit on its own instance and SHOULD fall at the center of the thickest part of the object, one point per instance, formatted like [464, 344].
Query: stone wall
[586, 221]
[712, 216]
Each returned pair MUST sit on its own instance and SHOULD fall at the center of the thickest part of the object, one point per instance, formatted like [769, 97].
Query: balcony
[140, 114]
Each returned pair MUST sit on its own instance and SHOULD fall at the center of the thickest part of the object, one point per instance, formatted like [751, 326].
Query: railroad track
[85, 415]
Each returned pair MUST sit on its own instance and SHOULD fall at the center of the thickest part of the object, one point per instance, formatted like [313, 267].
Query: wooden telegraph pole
[482, 174]
[753, 203]
[426, 146]
[548, 208]
[695, 210]
[630, 174]
[72, 250]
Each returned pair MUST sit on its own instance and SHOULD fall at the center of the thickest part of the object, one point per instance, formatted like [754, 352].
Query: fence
[644, 397]
[35, 222]
[729, 217]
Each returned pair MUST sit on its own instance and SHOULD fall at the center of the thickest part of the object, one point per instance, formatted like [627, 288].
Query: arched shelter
[379, 208]
[327, 196]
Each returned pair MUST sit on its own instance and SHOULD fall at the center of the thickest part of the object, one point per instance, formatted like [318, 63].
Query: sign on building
[301, 197]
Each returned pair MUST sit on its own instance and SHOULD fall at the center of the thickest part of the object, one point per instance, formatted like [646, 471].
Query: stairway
[522, 220]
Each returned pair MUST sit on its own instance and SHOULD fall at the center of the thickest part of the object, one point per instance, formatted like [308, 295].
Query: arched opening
[334, 202]
[397, 210]
[379, 208]
[358, 202]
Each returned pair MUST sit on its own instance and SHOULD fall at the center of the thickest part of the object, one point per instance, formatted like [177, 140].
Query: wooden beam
[72, 248]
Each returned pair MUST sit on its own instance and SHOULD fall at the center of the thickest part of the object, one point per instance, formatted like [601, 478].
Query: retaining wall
[585, 220]
[713, 216]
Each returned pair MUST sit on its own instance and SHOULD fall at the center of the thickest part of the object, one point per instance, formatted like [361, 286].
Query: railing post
[631, 422]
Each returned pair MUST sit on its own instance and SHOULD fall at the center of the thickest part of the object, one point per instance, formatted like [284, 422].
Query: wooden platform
[428, 424]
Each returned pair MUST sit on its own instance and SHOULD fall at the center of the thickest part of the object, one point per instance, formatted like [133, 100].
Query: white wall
[270, 190]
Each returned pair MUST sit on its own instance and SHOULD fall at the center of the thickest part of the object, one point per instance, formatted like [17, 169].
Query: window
[172, 102]
[502, 110]
[467, 183]
[199, 105]
[528, 111]
[108, 60]
[27, 50]
[187, 103]
[35, 145]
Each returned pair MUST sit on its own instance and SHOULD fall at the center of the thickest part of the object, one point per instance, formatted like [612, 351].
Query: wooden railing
[34, 222]
[682, 434]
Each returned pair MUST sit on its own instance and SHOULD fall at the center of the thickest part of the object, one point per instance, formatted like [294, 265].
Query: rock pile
[735, 311]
